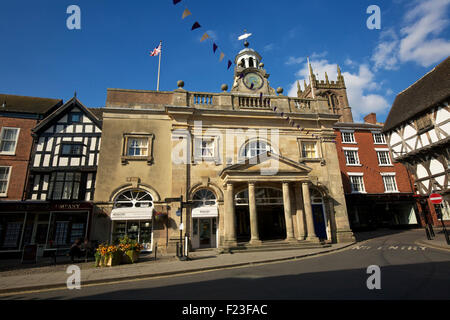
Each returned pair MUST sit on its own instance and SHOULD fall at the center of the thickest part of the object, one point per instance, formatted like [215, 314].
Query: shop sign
[205, 212]
[132, 213]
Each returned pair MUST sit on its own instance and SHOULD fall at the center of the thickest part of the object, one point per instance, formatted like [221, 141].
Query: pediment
[266, 162]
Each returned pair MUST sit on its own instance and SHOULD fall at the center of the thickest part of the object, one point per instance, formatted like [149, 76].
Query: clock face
[253, 81]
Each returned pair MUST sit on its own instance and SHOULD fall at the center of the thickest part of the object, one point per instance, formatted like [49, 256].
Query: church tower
[249, 73]
[334, 91]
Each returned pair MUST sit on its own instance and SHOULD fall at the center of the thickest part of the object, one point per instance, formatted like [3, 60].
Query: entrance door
[319, 221]
[205, 233]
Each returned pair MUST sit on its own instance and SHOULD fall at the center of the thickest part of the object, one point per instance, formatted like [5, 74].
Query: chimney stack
[371, 118]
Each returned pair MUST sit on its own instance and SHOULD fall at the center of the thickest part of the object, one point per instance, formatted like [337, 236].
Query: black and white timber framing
[66, 144]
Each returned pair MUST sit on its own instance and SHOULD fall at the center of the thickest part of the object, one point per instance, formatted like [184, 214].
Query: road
[408, 271]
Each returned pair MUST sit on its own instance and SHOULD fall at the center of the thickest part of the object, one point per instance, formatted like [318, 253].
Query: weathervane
[245, 35]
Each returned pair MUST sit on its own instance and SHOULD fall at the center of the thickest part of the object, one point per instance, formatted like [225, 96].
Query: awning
[205, 212]
[132, 213]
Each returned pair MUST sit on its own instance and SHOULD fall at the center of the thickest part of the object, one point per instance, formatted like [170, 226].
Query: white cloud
[293, 60]
[418, 40]
[269, 47]
[360, 86]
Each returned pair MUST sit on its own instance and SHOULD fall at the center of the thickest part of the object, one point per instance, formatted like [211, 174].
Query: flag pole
[159, 65]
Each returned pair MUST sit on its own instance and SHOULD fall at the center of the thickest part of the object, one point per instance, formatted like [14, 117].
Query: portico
[290, 178]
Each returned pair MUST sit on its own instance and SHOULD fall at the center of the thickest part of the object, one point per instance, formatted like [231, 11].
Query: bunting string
[196, 25]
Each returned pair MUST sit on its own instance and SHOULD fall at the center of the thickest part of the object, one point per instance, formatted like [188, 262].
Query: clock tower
[249, 73]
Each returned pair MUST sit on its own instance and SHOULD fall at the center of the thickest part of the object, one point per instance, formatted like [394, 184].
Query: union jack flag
[156, 51]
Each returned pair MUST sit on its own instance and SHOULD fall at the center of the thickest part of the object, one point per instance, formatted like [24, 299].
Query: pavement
[439, 241]
[49, 277]
[32, 278]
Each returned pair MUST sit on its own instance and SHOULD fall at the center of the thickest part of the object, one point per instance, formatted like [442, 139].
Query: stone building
[248, 173]
[418, 133]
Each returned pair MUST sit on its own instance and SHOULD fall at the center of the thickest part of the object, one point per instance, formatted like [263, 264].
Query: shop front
[204, 220]
[132, 216]
[47, 225]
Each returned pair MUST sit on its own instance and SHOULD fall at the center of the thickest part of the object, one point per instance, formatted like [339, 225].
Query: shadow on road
[372, 234]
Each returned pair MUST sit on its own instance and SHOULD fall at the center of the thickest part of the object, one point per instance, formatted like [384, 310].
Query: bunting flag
[204, 37]
[176, 1]
[229, 64]
[186, 13]
[196, 25]
[222, 55]
[214, 47]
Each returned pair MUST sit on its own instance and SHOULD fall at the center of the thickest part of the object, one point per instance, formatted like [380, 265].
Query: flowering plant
[126, 244]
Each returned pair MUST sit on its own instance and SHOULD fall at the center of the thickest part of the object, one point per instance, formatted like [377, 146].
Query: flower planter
[113, 260]
[130, 256]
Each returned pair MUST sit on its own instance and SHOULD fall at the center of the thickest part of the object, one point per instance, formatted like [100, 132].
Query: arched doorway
[319, 217]
[204, 219]
[132, 216]
[270, 213]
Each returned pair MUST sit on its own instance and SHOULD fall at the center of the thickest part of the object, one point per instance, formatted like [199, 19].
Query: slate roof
[25, 104]
[431, 89]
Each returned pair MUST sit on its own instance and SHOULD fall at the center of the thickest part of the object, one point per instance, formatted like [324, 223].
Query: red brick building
[379, 192]
[18, 115]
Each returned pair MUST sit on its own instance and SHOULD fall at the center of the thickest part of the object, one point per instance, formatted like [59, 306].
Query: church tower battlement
[334, 91]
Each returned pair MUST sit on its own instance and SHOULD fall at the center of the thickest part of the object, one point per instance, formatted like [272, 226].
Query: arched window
[134, 199]
[250, 63]
[242, 63]
[316, 197]
[204, 197]
[254, 148]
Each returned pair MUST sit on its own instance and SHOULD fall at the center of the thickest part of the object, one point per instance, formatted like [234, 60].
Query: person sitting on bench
[75, 250]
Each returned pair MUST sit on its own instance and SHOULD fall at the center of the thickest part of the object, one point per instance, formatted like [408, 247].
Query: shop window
[8, 140]
[61, 231]
[77, 232]
[12, 234]
[65, 186]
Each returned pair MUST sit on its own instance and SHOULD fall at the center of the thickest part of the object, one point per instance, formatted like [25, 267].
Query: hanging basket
[160, 216]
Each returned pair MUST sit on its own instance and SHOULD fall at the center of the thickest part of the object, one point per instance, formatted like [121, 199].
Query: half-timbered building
[60, 188]
[418, 134]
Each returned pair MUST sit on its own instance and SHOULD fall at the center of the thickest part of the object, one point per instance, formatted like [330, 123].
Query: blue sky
[40, 56]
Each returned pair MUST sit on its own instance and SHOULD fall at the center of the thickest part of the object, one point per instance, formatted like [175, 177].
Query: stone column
[287, 212]
[229, 217]
[299, 212]
[311, 234]
[253, 214]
